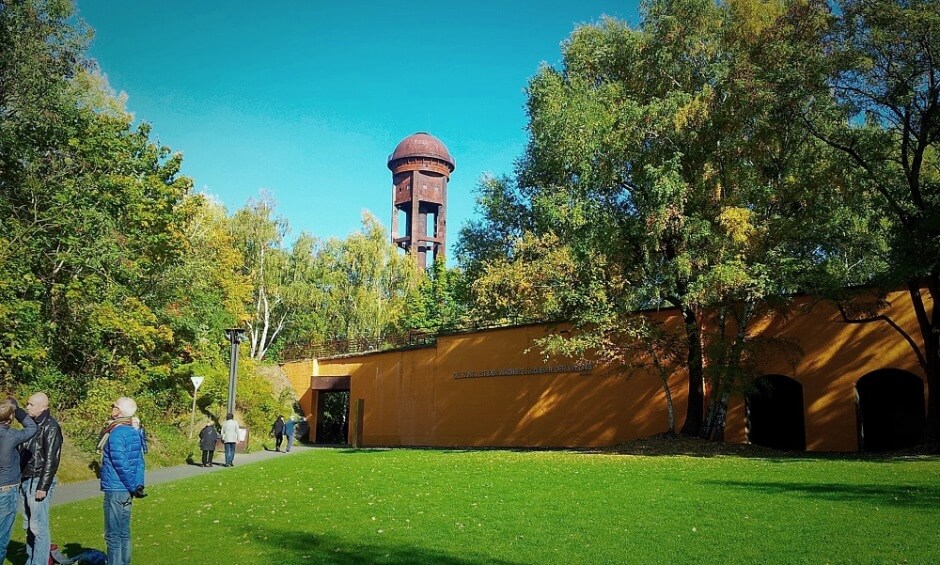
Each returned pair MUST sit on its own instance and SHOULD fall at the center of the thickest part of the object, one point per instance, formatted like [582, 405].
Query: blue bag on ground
[87, 557]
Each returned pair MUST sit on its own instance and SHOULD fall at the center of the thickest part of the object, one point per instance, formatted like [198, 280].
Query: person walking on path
[10, 441]
[122, 478]
[277, 431]
[289, 432]
[230, 438]
[39, 463]
[207, 440]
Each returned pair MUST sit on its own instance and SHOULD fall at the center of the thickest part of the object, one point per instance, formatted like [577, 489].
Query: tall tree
[437, 304]
[283, 280]
[113, 278]
[865, 78]
[37, 53]
[207, 291]
[368, 283]
[92, 212]
[304, 288]
[665, 170]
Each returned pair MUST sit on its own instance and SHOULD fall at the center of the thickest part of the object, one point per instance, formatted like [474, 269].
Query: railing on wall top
[410, 338]
[336, 347]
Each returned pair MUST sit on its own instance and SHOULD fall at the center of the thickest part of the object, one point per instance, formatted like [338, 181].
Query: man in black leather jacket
[39, 459]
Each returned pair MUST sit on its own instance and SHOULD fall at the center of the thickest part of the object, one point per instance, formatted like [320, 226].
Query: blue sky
[308, 99]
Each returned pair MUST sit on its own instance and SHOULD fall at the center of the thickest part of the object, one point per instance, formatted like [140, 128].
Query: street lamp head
[235, 335]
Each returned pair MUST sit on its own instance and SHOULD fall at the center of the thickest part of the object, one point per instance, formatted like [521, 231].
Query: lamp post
[235, 336]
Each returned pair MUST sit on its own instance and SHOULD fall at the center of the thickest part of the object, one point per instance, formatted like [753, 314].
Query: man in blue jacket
[122, 478]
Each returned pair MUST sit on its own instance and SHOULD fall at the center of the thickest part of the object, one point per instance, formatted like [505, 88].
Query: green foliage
[368, 283]
[206, 292]
[114, 279]
[256, 402]
[333, 428]
[259, 236]
[92, 215]
[359, 287]
[865, 81]
[664, 168]
[436, 304]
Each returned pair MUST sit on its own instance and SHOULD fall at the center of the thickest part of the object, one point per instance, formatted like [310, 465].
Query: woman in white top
[229, 438]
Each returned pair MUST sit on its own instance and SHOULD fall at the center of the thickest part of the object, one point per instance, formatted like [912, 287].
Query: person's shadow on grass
[77, 549]
[16, 551]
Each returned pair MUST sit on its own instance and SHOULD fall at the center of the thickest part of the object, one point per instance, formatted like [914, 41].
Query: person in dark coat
[207, 440]
[39, 463]
[277, 430]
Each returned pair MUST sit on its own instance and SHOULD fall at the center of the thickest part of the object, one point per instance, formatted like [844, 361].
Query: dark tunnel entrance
[332, 395]
[891, 411]
[774, 412]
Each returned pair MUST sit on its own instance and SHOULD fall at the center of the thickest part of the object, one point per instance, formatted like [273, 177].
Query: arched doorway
[774, 412]
[891, 411]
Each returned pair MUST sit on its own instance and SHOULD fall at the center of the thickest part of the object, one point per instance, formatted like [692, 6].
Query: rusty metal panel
[329, 383]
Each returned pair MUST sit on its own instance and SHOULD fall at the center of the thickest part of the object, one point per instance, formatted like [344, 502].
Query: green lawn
[424, 506]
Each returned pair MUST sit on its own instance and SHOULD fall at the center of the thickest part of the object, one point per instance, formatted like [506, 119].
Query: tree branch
[861, 162]
[882, 318]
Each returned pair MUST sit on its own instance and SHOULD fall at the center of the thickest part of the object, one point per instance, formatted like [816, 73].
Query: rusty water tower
[421, 167]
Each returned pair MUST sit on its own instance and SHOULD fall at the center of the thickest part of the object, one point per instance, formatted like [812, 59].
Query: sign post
[192, 424]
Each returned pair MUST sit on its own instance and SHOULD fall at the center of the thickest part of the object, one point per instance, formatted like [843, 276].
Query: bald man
[39, 459]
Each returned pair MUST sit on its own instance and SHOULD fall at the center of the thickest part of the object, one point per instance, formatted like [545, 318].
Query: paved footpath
[73, 492]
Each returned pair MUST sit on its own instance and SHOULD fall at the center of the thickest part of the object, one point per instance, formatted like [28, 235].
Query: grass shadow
[901, 496]
[679, 446]
[292, 546]
[663, 445]
[347, 449]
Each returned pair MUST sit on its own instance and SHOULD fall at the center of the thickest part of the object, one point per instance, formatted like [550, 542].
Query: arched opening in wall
[891, 410]
[332, 397]
[774, 413]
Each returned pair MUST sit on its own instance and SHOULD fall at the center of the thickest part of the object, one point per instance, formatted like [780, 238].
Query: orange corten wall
[413, 398]
[298, 373]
